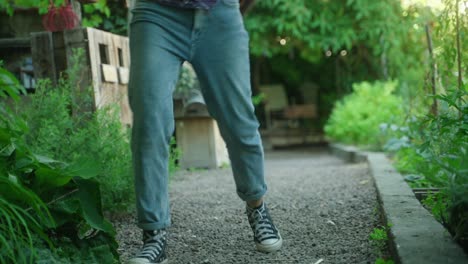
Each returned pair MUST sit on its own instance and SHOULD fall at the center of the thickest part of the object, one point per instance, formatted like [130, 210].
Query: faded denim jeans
[216, 44]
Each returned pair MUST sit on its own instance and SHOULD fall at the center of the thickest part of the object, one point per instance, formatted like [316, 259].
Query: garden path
[324, 208]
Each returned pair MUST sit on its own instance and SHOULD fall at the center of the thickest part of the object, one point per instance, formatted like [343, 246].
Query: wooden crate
[106, 67]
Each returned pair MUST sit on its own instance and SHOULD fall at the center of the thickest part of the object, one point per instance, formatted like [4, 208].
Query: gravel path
[324, 208]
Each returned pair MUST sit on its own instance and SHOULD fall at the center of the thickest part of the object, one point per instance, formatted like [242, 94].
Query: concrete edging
[415, 236]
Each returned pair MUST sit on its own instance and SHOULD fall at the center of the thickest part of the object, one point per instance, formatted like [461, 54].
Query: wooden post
[43, 56]
[79, 71]
[459, 53]
[434, 107]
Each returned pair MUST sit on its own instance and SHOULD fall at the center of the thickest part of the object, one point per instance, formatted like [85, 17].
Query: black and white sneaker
[154, 248]
[266, 236]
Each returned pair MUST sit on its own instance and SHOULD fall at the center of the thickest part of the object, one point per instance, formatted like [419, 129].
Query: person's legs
[217, 45]
[159, 43]
[221, 59]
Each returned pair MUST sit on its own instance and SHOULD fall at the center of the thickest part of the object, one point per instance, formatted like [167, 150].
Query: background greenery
[427, 134]
[360, 116]
[337, 43]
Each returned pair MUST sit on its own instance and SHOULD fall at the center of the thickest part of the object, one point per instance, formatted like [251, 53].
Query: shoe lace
[153, 244]
[261, 223]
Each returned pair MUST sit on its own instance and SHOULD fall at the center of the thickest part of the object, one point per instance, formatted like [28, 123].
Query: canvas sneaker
[154, 248]
[266, 236]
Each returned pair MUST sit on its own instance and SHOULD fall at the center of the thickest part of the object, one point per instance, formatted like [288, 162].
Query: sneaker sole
[144, 261]
[272, 247]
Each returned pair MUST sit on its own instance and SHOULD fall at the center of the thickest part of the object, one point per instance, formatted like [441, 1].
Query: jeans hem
[252, 197]
[154, 226]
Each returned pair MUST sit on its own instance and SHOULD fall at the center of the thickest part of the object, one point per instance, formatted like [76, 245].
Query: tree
[348, 41]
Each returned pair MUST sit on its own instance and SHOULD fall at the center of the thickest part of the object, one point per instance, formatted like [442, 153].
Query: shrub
[44, 202]
[356, 119]
[84, 135]
[19, 226]
[436, 150]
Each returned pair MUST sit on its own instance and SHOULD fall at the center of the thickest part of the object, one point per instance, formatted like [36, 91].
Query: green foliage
[106, 15]
[174, 156]
[95, 14]
[9, 85]
[383, 261]
[437, 205]
[357, 118]
[96, 250]
[437, 149]
[18, 225]
[43, 201]
[379, 240]
[319, 25]
[446, 51]
[43, 5]
[303, 42]
[258, 99]
[187, 80]
[379, 237]
[81, 137]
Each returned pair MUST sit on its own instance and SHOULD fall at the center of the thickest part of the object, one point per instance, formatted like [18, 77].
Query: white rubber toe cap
[270, 245]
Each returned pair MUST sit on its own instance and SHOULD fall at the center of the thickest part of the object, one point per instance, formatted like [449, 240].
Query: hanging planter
[60, 18]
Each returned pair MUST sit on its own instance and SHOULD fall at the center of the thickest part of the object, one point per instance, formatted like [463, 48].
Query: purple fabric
[202, 4]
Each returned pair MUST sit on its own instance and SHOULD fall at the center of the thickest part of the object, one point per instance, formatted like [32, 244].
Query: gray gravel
[324, 208]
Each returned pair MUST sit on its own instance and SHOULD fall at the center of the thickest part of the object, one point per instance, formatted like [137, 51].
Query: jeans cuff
[154, 226]
[252, 197]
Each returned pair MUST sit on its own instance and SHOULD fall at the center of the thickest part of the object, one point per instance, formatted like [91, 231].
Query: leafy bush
[44, 202]
[59, 134]
[357, 118]
[436, 149]
[18, 225]
[64, 125]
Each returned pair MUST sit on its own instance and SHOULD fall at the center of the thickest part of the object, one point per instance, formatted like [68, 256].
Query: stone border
[415, 236]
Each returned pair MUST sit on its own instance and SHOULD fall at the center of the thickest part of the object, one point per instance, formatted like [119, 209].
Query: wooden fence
[105, 69]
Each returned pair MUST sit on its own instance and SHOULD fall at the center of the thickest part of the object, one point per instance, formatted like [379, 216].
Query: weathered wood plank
[109, 73]
[60, 55]
[82, 80]
[15, 43]
[123, 75]
[94, 62]
[42, 50]
[300, 111]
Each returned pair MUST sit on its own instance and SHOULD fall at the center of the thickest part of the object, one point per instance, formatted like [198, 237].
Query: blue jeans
[216, 44]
